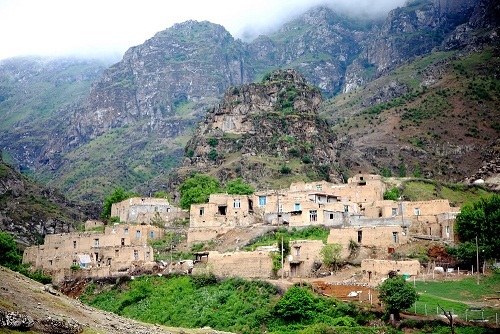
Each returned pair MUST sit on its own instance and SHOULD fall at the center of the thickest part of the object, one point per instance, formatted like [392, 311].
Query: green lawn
[464, 298]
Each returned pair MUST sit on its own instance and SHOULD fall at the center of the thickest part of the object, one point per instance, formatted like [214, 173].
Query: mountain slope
[29, 210]
[131, 129]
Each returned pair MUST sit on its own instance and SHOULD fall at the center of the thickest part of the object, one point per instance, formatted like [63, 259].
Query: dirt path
[61, 314]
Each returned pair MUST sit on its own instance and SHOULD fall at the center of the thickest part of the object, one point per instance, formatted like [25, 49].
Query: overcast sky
[110, 27]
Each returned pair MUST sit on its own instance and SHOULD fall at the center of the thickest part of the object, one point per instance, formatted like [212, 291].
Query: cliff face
[260, 128]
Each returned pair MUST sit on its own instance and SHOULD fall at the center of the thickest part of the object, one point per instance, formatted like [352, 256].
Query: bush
[285, 170]
[392, 194]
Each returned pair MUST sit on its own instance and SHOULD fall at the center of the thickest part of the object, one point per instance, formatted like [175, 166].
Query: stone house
[144, 210]
[302, 260]
[100, 253]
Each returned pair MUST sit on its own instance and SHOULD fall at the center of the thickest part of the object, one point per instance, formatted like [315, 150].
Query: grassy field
[465, 298]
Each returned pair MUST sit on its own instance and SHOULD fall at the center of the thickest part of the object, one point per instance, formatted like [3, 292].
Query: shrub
[285, 170]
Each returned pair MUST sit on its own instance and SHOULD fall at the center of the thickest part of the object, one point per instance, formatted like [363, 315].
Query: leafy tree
[118, 195]
[392, 194]
[212, 155]
[417, 172]
[296, 305]
[8, 250]
[197, 189]
[402, 170]
[397, 295]
[331, 255]
[237, 187]
[386, 172]
[479, 220]
[160, 194]
[213, 142]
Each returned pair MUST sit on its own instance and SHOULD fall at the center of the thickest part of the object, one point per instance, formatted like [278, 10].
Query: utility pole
[477, 261]
[282, 260]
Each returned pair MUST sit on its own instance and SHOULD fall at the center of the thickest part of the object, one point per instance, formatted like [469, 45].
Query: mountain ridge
[140, 114]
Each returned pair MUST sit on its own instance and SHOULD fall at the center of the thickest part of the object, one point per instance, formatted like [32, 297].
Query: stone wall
[376, 270]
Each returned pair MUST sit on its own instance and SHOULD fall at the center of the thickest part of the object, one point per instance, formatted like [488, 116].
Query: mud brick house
[99, 253]
[143, 210]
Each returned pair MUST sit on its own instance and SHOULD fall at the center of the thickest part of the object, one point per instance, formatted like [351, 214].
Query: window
[297, 251]
[75, 263]
[50, 263]
[313, 215]
[416, 211]
[108, 261]
[394, 211]
[96, 242]
[136, 254]
[360, 236]
[117, 252]
[123, 242]
[152, 234]
[147, 255]
[202, 211]
[262, 200]
[138, 234]
[346, 208]
[297, 207]
[280, 208]
[319, 187]
[447, 228]
[222, 210]
[236, 203]
[125, 230]
[74, 244]
[331, 216]
[395, 237]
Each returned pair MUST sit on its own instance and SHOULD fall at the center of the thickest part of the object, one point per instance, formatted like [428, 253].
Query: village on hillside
[355, 213]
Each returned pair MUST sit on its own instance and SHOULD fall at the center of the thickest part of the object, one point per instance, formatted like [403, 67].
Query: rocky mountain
[132, 127]
[265, 132]
[29, 210]
[35, 94]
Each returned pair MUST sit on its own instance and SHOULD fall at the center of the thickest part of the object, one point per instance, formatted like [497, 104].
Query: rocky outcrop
[274, 120]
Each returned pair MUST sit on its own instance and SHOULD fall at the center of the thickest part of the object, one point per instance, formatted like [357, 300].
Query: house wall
[375, 236]
[257, 264]
[204, 234]
[118, 246]
[142, 209]
[380, 268]
[238, 212]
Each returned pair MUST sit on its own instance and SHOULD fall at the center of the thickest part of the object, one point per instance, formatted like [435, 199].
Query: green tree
[296, 305]
[397, 295]
[417, 172]
[331, 255]
[479, 220]
[118, 195]
[392, 194]
[386, 172]
[160, 194]
[402, 170]
[197, 189]
[8, 249]
[212, 155]
[237, 187]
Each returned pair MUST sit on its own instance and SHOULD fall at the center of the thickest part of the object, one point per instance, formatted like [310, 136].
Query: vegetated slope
[441, 122]
[34, 93]
[269, 134]
[138, 116]
[42, 312]
[28, 210]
